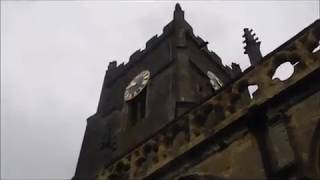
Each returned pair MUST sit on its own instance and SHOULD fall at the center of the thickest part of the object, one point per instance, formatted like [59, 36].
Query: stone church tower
[174, 111]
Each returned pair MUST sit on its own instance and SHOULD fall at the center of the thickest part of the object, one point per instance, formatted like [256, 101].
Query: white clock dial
[137, 84]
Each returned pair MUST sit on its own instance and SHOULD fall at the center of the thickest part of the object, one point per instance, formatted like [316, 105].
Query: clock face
[137, 85]
[214, 80]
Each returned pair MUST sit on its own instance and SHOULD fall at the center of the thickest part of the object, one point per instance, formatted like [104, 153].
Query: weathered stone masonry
[193, 132]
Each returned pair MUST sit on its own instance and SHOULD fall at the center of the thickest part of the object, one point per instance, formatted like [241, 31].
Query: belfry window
[137, 107]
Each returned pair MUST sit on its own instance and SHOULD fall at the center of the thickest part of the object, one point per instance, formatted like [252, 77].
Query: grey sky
[54, 55]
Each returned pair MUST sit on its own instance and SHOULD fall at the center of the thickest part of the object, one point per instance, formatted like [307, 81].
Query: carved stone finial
[178, 13]
[252, 47]
[236, 70]
[178, 7]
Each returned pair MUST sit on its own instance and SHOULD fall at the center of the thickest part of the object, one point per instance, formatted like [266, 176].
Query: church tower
[174, 73]
[171, 75]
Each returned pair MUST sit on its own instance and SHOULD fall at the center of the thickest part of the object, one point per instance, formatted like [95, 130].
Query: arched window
[137, 107]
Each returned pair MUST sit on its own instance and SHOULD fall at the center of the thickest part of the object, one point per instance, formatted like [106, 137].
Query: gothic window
[137, 108]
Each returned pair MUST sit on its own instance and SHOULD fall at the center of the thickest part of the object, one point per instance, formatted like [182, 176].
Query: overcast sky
[54, 55]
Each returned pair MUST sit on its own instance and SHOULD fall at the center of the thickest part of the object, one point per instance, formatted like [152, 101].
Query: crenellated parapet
[233, 70]
[114, 72]
[221, 111]
[182, 29]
